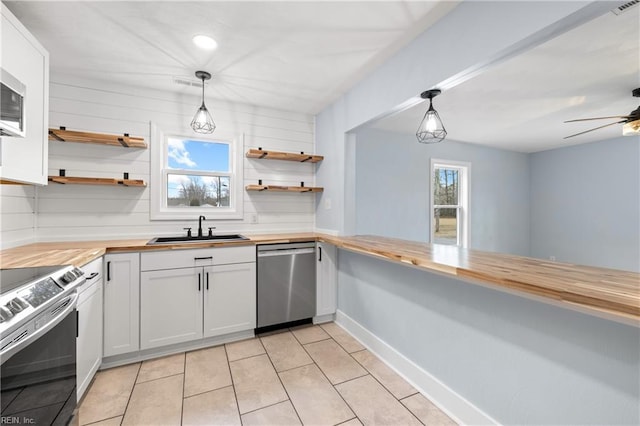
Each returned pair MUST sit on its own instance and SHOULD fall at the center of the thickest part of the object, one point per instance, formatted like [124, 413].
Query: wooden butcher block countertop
[604, 292]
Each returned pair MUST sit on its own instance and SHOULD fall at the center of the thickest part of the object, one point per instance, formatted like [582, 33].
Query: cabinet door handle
[109, 271]
[77, 324]
[203, 258]
[207, 281]
[199, 279]
[320, 252]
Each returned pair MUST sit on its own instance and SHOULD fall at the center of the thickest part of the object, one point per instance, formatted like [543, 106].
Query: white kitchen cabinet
[229, 298]
[89, 342]
[26, 159]
[191, 294]
[170, 306]
[326, 279]
[121, 303]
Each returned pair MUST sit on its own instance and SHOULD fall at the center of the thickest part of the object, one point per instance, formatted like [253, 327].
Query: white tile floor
[315, 375]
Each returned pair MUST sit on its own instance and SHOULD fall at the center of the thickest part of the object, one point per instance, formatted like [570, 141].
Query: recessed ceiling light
[204, 42]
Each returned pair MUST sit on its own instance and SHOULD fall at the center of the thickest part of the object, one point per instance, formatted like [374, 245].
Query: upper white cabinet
[25, 159]
[327, 279]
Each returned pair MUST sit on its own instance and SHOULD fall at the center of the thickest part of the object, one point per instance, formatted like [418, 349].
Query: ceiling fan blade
[595, 128]
[598, 118]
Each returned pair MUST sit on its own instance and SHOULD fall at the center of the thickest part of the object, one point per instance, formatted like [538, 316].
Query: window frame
[463, 206]
[159, 172]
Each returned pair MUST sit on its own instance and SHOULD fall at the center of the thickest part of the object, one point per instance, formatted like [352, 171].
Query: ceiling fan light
[631, 128]
[203, 122]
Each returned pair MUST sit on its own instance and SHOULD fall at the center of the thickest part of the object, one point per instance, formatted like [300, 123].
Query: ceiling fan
[630, 122]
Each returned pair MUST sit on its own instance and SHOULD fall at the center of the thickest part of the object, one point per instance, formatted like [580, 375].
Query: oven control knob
[5, 314]
[78, 272]
[68, 277]
[17, 305]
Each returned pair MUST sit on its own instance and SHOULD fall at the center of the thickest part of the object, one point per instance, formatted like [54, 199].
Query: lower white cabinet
[230, 299]
[326, 279]
[89, 342]
[170, 306]
[204, 299]
[121, 303]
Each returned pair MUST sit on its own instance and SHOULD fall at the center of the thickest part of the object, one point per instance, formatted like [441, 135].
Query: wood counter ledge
[608, 293]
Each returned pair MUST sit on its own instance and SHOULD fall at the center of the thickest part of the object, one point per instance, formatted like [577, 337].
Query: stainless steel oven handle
[12, 350]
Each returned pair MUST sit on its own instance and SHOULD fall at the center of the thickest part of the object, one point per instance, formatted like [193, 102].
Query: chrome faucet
[200, 219]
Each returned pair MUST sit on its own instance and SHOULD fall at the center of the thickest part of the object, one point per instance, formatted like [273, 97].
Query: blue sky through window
[192, 154]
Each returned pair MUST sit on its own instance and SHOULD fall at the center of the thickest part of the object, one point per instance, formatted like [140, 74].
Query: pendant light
[202, 122]
[431, 129]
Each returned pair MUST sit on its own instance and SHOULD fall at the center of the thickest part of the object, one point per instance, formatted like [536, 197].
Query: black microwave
[12, 113]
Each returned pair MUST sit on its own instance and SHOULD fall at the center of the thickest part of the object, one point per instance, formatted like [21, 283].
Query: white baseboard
[319, 319]
[455, 406]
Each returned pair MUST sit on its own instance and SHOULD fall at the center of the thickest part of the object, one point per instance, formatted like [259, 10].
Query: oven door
[39, 380]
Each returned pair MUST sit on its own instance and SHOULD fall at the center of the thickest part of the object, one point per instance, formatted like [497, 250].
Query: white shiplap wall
[17, 218]
[76, 212]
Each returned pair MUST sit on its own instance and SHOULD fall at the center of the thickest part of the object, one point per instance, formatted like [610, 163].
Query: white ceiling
[521, 104]
[302, 55]
[297, 56]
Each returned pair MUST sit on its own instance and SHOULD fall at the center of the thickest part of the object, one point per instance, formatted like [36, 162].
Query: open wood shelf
[96, 181]
[286, 156]
[278, 188]
[126, 141]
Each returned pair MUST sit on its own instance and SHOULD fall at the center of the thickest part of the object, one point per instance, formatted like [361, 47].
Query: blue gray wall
[585, 204]
[519, 361]
[392, 190]
[478, 32]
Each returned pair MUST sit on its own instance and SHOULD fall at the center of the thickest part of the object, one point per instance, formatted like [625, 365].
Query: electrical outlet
[552, 258]
[327, 203]
[253, 218]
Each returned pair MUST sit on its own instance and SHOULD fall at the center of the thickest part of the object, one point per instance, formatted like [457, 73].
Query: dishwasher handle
[286, 252]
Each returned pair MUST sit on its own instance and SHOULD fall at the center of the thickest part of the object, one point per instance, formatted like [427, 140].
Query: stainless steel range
[38, 330]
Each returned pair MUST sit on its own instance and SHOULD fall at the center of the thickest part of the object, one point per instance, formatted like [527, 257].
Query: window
[450, 202]
[192, 175]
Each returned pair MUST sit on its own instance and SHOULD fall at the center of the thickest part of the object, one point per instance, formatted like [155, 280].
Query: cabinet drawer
[240, 254]
[170, 259]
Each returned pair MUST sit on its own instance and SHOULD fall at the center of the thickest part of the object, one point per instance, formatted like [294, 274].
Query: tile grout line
[376, 379]
[184, 382]
[282, 384]
[131, 393]
[233, 385]
[103, 420]
[339, 344]
[384, 387]
[332, 385]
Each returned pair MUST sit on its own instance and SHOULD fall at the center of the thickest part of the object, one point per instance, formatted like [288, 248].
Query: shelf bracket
[51, 133]
[122, 142]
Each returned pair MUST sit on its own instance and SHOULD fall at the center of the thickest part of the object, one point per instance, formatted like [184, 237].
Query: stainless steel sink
[183, 239]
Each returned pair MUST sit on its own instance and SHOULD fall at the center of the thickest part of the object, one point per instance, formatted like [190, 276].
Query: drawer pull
[203, 258]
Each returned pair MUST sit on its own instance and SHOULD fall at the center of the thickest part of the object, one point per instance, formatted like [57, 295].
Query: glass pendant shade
[203, 122]
[431, 129]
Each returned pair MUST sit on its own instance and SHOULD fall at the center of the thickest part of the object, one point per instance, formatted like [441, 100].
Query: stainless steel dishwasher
[286, 284]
